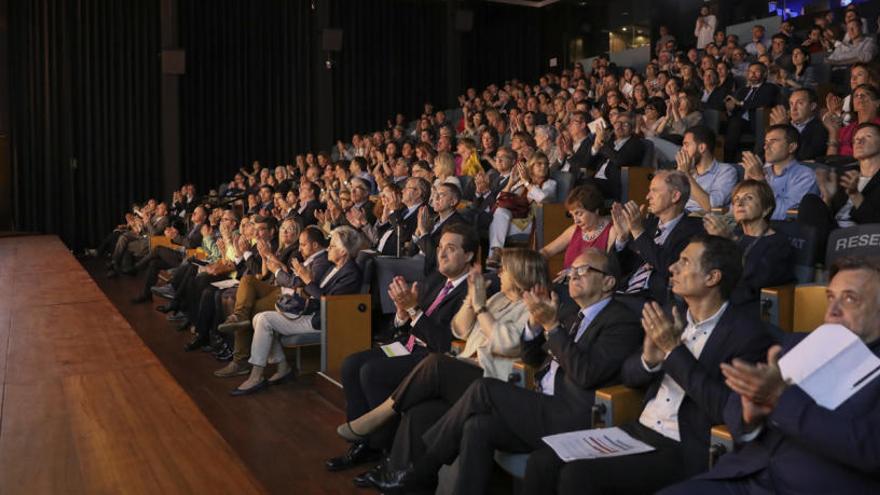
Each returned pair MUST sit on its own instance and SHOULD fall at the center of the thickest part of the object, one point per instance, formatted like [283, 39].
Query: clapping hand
[778, 115]
[404, 296]
[684, 161]
[849, 181]
[301, 271]
[827, 181]
[715, 225]
[543, 307]
[664, 333]
[356, 217]
[753, 165]
[477, 287]
[424, 223]
[758, 385]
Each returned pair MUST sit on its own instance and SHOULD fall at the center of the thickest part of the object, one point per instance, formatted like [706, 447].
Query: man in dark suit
[429, 227]
[487, 186]
[647, 246]
[713, 94]
[360, 198]
[575, 146]
[788, 443]
[308, 203]
[803, 105]
[741, 106]
[611, 152]
[574, 360]
[679, 366]
[163, 258]
[422, 321]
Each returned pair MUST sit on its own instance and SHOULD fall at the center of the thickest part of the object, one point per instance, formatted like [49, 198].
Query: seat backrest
[634, 183]
[467, 185]
[564, 181]
[366, 262]
[859, 240]
[648, 155]
[809, 307]
[762, 121]
[805, 244]
[388, 267]
[712, 120]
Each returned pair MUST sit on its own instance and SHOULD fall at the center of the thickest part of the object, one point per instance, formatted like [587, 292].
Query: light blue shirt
[718, 182]
[795, 182]
[548, 381]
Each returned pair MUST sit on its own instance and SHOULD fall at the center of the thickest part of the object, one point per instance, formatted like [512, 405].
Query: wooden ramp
[86, 407]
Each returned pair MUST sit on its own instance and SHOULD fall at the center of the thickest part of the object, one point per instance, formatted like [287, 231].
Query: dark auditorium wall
[246, 92]
[83, 113]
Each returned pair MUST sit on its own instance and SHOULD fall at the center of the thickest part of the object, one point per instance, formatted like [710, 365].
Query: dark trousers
[369, 377]
[814, 212]
[159, 259]
[109, 243]
[423, 397]
[635, 474]
[760, 484]
[201, 283]
[491, 415]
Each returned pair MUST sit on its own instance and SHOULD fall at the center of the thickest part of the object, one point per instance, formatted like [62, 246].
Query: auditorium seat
[634, 183]
[616, 405]
[161, 240]
[553, 218]
[564, 180]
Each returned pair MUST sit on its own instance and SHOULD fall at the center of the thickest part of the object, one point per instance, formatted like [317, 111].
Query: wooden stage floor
[99, 397]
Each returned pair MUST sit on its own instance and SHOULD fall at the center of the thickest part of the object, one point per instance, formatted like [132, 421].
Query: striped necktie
[639, 281]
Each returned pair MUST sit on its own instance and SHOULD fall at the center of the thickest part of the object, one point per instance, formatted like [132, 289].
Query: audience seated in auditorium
[647, 246]
[302, 323]
[492, 327]
[574, 358]
[611, 152]
[803, 105]
[789, 179]
[711, 182]
[679, 366]
[788, 444]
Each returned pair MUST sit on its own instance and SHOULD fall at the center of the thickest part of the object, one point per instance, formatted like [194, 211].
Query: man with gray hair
[648, 244]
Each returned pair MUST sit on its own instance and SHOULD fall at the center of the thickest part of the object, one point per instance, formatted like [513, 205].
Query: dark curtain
[392, 60]
[246, 92]
[84, 80]
[505, 43]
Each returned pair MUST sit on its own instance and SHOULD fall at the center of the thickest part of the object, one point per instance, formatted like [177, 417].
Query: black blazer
[346, 281]
[768, 261]
[578, 162]
[307, 217]
[192, 239]
[806, 448]
[318, 268]
[435, 330]
[407, 229]
[428, 244]
[716, 99]
[594, 361]
[736, 335]
[813, 141]
[869, 211]
[767, 95]
[630, 154]
[644, 249]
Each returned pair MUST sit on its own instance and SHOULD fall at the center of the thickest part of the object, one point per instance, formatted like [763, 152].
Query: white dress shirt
[661, 412]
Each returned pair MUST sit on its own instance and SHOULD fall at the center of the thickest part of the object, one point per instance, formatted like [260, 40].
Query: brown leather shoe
[233, 369]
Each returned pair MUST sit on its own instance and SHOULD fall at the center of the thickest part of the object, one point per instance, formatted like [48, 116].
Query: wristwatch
[481, 309]
[413, 312]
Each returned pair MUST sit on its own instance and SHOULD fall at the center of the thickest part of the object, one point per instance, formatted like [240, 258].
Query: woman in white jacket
[705, 28]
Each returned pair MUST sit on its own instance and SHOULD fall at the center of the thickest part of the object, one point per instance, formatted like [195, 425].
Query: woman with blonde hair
[493, 328]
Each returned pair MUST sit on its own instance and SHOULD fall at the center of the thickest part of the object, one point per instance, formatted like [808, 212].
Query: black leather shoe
[195, 344]
[367, 478]
[404, 481]
[359, 453]
[165, 308]
[142, 298]
[248, 391]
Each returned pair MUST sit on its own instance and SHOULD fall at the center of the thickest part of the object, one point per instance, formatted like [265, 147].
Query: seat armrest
[777, 305]
[346, 328]
[617, 405]
[457, 347]
[720, 443]
[161, 240]
[522, 375]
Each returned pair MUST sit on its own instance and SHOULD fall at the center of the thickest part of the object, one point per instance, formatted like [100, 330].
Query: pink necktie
[411, 341]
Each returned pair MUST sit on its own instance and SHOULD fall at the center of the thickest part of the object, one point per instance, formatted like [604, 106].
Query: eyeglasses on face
[576, 272]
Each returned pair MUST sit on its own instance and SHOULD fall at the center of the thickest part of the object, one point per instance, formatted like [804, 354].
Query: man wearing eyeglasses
[611, 152]
[574, 358]
[678, 366]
